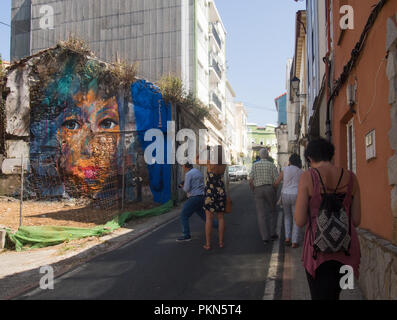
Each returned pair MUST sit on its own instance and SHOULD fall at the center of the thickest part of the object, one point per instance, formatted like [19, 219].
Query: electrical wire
[373, 98]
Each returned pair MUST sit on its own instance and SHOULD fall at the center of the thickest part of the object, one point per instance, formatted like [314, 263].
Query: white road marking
[270, 288]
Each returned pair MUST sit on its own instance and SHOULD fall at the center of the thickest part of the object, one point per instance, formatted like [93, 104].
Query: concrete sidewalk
[294, 281]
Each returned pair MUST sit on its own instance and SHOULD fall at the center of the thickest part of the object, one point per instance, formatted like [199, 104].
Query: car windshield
[232, 169]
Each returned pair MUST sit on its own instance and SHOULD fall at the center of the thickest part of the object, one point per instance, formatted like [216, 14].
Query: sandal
[287, 243]
[295, 245]
[221, 245]
[208, 248]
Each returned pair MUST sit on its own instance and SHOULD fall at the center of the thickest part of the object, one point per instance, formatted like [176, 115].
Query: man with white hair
[262, 177]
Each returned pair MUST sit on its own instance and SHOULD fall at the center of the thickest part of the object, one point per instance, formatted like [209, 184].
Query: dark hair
[320, 150]
[295, 160]
[188, 166]
[65, 74]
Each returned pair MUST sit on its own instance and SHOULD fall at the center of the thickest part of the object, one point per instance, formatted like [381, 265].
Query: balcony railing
[217, 68]
[217, 101]
[217, 37]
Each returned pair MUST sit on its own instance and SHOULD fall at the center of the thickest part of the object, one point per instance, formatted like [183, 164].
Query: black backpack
[333, 232]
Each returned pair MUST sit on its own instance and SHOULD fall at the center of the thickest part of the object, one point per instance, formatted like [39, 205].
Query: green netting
[44, 236]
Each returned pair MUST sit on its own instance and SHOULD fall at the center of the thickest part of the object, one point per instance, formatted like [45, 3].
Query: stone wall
[391, 47]
[378, 268]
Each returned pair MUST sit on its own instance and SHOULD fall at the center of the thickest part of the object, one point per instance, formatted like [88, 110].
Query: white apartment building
[241, 134]
[211, 69]
[230, 123]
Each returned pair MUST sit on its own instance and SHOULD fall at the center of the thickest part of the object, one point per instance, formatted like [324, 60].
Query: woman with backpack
[328, 204]
[289, 176]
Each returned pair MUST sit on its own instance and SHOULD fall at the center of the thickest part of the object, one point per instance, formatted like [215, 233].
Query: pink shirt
[309, 262]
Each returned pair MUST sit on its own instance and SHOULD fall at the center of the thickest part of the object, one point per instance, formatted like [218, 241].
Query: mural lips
[90, 172]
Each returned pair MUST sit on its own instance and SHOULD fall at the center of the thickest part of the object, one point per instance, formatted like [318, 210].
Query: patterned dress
[215, 193]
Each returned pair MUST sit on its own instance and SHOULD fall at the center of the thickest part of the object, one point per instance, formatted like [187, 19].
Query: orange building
[369, 85]
[363, 114]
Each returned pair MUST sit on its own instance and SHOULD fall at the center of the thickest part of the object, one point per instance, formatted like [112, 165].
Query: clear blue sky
[5, 17]
[260, 39]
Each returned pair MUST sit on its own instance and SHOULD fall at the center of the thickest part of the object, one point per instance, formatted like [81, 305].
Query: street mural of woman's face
[87, 131]
[89, 136]
[86, 126]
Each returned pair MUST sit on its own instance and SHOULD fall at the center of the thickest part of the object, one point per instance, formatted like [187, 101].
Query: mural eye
[71, 125]
[108, 124]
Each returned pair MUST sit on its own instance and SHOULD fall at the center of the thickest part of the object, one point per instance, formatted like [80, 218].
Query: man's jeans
[193, 205]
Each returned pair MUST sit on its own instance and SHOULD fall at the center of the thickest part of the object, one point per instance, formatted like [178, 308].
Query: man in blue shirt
[194, 187]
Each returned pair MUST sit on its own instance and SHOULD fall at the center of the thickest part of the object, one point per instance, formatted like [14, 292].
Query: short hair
[295, 160]
[188, 165]
[319, 150]
[263, 153]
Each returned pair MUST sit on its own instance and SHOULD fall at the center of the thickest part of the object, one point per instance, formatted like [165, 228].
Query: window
[351, 147]
[370, 145]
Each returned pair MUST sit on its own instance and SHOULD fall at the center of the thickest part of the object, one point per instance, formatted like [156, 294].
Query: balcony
[215, 70]
[215, 117]
[215, 99]
[216, 36]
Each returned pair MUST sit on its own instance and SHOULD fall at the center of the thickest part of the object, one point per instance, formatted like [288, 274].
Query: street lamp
[295, 84]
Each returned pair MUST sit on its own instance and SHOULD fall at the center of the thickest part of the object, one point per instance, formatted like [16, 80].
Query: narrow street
[156, 267]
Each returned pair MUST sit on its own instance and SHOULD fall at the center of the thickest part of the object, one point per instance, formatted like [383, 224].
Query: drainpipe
[327, 74]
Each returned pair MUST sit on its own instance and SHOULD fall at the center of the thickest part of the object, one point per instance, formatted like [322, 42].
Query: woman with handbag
[215, 200]
[328, 204]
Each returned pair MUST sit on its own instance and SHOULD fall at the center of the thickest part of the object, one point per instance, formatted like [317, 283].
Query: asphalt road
[156, 267]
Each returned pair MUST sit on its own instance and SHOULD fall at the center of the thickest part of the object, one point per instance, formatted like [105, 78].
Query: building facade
[241, 134]
[281, 107]
[318, 53]
[352, 102]
[282, 131]
[291, 110]
[298, 82]
[362, 125]
[183, 38]
[262, 137]
[282, 145]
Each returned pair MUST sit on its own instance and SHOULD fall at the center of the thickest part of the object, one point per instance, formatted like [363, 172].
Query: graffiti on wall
[86, 132]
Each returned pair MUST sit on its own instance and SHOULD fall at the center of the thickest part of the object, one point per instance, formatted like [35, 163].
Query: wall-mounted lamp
[351, 96]
[295, 84]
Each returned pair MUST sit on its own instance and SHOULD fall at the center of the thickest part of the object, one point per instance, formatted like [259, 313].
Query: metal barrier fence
[80, 183]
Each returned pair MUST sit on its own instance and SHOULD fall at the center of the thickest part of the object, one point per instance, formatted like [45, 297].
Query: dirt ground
[59, 213]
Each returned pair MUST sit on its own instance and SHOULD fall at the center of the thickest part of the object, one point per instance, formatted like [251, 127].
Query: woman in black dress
[215, 197]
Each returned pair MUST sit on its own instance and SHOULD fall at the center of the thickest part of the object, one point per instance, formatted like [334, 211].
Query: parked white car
[238, 173]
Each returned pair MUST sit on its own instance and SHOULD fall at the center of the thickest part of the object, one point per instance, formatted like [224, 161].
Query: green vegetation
[172, 90]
